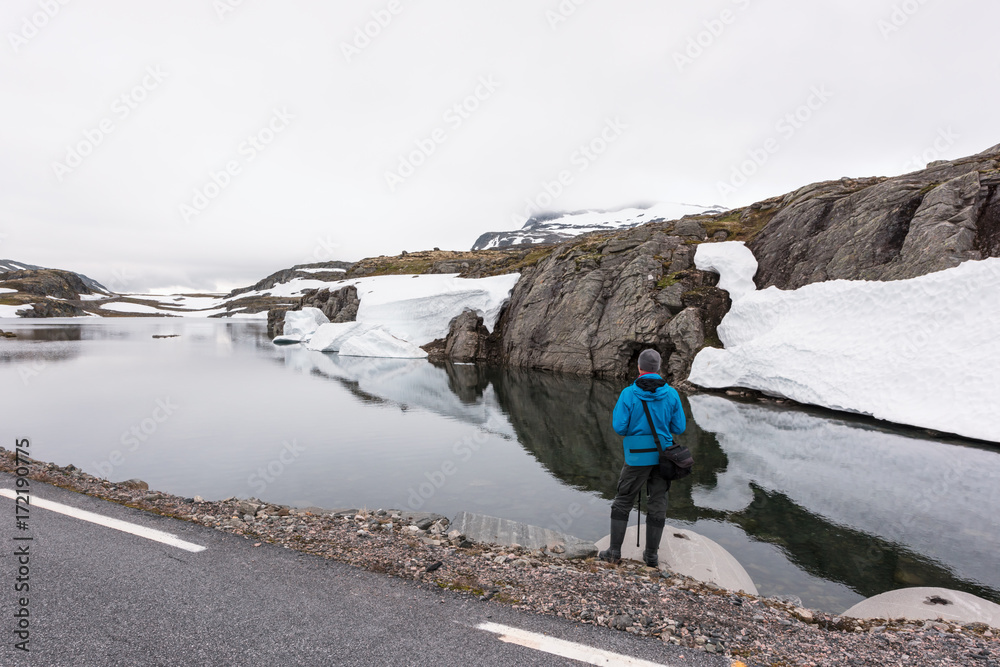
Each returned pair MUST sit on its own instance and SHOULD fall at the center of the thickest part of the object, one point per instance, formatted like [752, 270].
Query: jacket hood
[650, 387]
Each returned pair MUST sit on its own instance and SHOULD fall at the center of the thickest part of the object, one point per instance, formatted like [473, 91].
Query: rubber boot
[613, 554]
[653, 535]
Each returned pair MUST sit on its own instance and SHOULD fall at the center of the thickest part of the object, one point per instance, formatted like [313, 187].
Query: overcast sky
[206, 143]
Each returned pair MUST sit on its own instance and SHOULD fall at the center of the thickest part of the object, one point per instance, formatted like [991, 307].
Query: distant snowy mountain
[10, 265]
[558, 227]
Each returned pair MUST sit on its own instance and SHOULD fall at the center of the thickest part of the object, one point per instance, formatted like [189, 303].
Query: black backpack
[675, 461]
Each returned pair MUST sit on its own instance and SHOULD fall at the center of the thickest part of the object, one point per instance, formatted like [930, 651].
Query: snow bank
[7, 290]
[416, 309]
[913, 352]
[12, 311]
[380, 343]
[304, 323]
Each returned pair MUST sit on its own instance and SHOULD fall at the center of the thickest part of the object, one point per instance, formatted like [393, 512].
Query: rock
[928, 604]
[687, 334]
[693, 555]
[883, 229]
[468, 339]
[803, 614]
[51, 283]
[276, 322]
[246, 507]
[136, 484]
[49, 308]
[493, 530]
[690, 229]
[422, 520]
[338, 306]
[589, 312]
[621, 622]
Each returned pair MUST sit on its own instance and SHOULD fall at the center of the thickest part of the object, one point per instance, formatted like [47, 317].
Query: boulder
[920, 604]
[338, 306]
[467, 339]
[687, 333]
[690, 554]
[276, 321]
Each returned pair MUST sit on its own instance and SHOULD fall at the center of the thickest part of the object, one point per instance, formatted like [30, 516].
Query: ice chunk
[380, 343]
[304, 323]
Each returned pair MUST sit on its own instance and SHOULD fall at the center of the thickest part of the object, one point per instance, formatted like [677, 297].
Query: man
[641, 455]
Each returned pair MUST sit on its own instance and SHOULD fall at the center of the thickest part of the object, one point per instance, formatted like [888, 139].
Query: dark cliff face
[593, 304]
[884, 229]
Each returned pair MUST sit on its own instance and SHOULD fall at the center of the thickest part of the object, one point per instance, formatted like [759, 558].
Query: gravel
[752, 631]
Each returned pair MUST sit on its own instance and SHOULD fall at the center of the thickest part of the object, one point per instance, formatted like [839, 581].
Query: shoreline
[630, 597]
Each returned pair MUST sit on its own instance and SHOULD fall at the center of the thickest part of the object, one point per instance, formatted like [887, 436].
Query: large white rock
[380, 343]
[690, 554]
[928, 604]
[908, 351]
[304, 323]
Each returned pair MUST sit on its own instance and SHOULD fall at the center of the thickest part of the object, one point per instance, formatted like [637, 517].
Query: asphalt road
[102, 597]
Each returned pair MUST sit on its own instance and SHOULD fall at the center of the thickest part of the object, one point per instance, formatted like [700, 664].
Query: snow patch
[908, 351]
[125, 307]
[734, 263]
[416, 309]
[7, 290]
[12, 311]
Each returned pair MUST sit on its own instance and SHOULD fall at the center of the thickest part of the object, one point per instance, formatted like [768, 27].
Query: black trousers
[630, 484]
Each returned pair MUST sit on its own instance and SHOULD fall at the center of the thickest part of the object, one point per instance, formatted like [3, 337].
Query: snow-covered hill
[558, 227]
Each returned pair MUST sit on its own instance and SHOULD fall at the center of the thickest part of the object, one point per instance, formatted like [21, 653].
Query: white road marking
[117, 524]
[561, 647]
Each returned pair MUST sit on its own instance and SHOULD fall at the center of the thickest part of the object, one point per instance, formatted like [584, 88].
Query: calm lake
[825, 508]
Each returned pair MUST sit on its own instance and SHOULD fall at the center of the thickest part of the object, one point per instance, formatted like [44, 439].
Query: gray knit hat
[649, 360]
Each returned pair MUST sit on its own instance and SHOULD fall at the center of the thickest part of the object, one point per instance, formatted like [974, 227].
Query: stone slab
[690, 554]
[928, 604]
[493, 530]
[422, 520]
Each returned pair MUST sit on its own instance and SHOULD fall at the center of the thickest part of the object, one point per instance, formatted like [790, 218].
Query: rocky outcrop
[50, 308]
[46, 282]
[592, 305]
[884, 229]
[333, 271]
[276, 322]
[339, 306]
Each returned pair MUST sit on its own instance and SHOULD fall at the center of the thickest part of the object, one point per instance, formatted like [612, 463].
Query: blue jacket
[629, 419]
